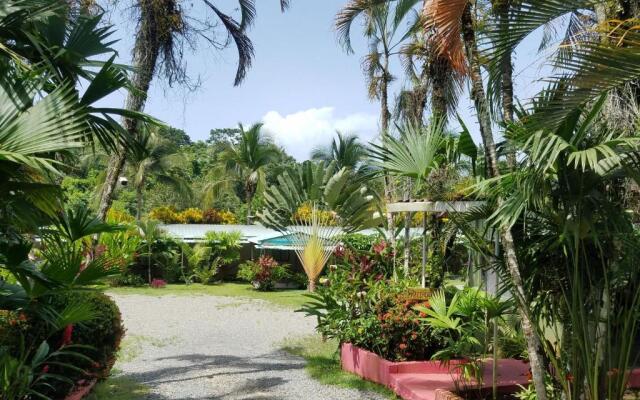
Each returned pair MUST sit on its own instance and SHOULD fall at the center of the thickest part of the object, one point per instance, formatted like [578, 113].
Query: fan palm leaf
[414, 154]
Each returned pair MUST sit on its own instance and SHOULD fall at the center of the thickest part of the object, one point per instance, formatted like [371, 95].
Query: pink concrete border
[82, 390]
[418, 380]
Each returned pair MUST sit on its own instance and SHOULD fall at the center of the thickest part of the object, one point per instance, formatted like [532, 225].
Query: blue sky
[302, 85]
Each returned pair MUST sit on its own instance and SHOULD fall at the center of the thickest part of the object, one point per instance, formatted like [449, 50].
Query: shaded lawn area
[323, 364]
[287, 298]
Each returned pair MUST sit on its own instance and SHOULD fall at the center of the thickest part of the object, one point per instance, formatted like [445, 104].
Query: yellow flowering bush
[190, 216]
[304, 213]
[117, 216]
[167, 215]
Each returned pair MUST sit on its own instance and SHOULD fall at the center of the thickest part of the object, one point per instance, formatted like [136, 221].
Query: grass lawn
[118, 388]
[288, 298]
[323, 364]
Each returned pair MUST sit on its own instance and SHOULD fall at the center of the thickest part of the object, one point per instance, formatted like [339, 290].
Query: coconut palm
[345, 150]
[244, 162]
[163, 28]
[155, 157]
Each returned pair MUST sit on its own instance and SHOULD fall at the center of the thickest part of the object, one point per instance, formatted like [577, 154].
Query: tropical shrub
[225, 245]
[360, 302]
[43, 333]
[264, 273]
[358, 241]
[121, 246]
[465, 319]
[222, 217]
[127, 279]
[167, 215]
[190, 216]
[204, 267]
[97, 340]
[363, 307]
[158, 283]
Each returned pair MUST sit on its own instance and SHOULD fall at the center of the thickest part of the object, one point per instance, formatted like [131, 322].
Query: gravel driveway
[209, 347]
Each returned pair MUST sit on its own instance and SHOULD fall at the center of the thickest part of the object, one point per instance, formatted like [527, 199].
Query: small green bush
[128, 279]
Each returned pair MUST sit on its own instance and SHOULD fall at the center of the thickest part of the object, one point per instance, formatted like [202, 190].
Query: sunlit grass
[323, 364]
[119, 388]
[286, 298]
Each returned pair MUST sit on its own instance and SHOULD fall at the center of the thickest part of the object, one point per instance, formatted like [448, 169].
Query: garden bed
[432, 380]
[422, 380]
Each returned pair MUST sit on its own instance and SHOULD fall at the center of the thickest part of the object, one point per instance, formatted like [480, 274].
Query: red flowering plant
[264, 273]
[158, 283]
[406, 338]
[360, 303]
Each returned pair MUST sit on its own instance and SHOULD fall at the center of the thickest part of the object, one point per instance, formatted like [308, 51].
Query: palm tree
[155, 157]
[384, 29]
[163, 27]
[455, 35]
[346, 151]
[245, 162]
[46, 118]
[151, 232]
[593, 68]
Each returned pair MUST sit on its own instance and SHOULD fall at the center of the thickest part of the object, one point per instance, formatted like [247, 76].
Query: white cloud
[301, 132]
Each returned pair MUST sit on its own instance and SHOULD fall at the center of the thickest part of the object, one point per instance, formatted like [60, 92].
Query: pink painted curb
[431, 380]
[82, 390]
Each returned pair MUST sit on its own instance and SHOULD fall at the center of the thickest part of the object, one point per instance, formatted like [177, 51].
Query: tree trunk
[484, 119]
[312, 285]
[385, 116]
[145, 57]
[139, 192]
[249, 217]
[438, 67]
[507, 87]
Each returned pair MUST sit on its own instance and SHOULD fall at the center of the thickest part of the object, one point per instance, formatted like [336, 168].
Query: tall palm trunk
[385, 117]
[249, 198]
[484, 119]
[145, 56]
[438, 66]
[507, 84]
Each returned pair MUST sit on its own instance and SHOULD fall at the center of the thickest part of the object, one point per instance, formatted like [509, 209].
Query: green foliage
[264, 273]
[97, 339]
[331, 190]
[24, 351]
[465, 321]
[219, 249]
[225, 245]
[359, 242]
[204, 268]
[77, 192]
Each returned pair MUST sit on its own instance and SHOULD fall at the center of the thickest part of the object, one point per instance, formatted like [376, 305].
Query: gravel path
[208, 347]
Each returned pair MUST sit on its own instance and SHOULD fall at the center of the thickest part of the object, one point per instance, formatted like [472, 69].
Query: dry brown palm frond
[443, 19]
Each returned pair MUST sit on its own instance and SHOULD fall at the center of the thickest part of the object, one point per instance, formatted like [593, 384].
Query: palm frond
[414, 154]
[444, 19]
[242, 41]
